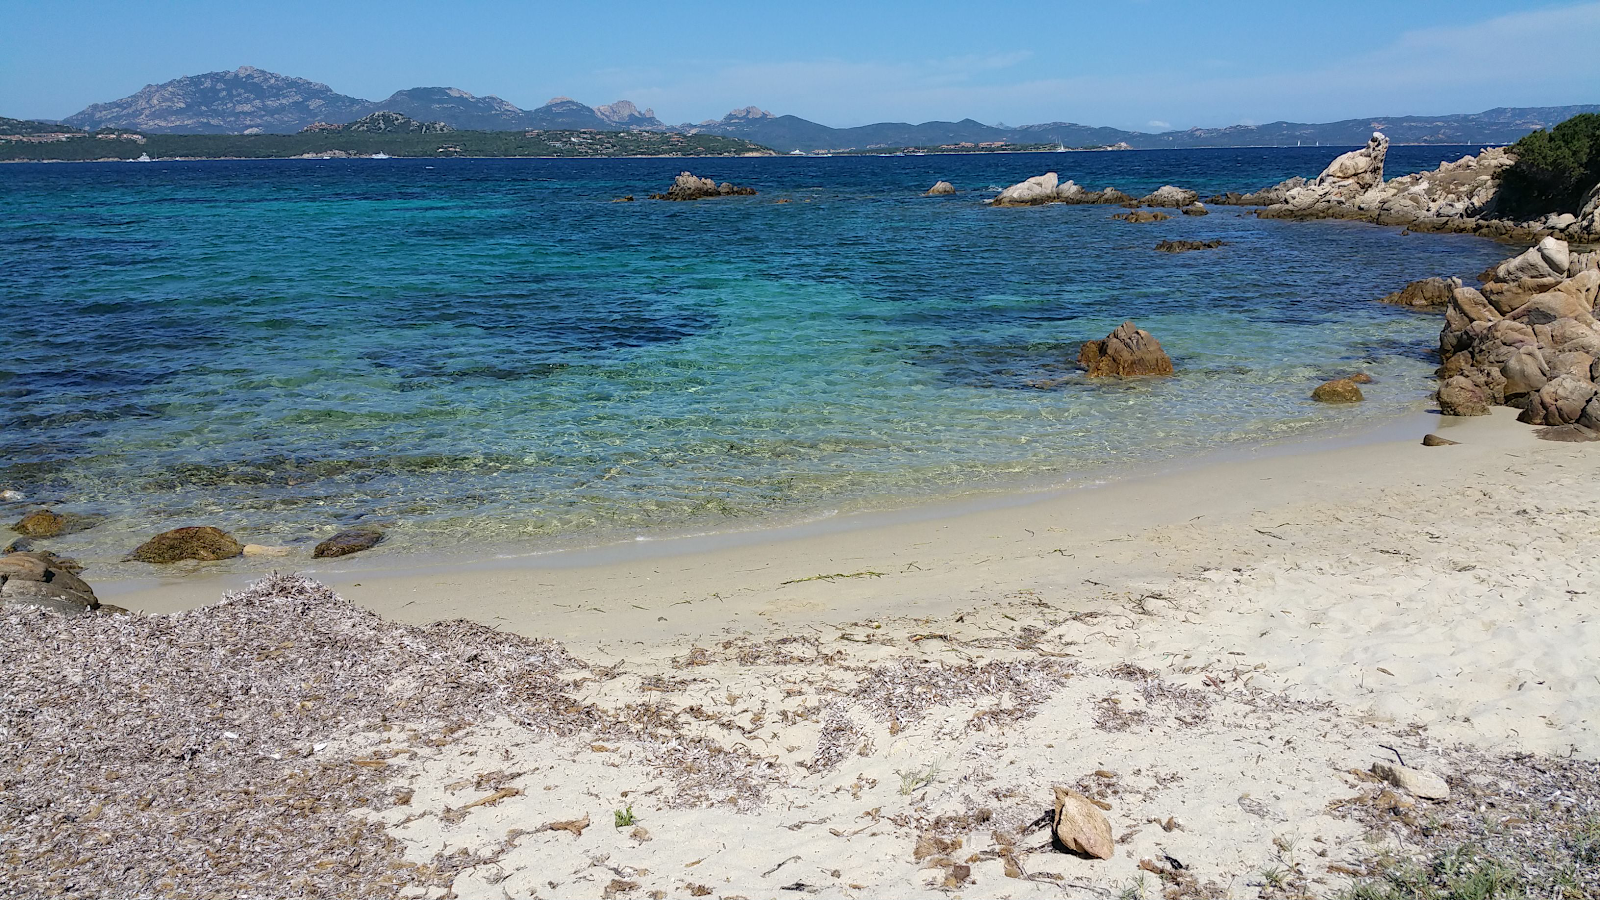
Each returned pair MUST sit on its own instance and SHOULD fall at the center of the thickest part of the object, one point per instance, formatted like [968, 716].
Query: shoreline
[831, 522]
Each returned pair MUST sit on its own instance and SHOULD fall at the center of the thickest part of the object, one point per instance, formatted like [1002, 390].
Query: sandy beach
[1217, 656]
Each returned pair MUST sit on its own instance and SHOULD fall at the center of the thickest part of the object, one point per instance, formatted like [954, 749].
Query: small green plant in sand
[917, 779]
[1461, 874]
[1134, 889]
[624, 817]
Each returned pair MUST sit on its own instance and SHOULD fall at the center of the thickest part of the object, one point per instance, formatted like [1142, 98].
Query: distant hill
[28, 126]
[251, 100]
[383, 122]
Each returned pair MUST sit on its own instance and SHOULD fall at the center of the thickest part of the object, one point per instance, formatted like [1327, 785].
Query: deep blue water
[472, 351]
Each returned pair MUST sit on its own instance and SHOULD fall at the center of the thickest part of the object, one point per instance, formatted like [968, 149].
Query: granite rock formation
[688, 187]
[1126, 352]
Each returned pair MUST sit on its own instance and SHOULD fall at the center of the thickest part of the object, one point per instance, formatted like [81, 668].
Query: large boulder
[1461, 396]
[1126, 352]
[1340, 390]
[1429, 293]
[941, 187]
[1547, 259]
[44, 581]
[688, 187]
[1560, 402]
[1032, 192]
[1359, 170]
[1170, 196]
[195, 542]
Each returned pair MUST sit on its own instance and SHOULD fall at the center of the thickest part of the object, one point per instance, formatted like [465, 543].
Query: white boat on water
[144, 157]
[380, 156]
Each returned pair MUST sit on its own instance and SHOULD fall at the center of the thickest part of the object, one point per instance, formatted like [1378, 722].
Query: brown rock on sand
[44, 581]
[1341, 390]
[195, 542]
[1081, 827]
[1433, 440]
[1127, 351]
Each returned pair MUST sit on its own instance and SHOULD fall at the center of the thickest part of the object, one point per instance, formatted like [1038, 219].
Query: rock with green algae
[1341, 390]
[201, 542]
[41, 523]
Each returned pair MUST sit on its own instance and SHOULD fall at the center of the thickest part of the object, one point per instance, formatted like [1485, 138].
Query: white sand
[1293, 613]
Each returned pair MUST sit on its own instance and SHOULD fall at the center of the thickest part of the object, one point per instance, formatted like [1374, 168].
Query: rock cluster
[1457, 196]
[1046, 188]
[1170, 196]
[43, 580]
[688, 187]
[1126, 352]
[1527, 339]
[1141, 215]
[1429, 293]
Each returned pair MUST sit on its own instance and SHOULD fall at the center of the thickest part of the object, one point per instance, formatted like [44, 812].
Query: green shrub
[1554, 169]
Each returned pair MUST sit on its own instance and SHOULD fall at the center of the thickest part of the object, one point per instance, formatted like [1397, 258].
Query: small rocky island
[688, 187]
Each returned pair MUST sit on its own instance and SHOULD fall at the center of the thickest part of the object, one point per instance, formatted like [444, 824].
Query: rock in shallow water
[941, 187]
[1187, 246]
[1141, 215]
[1127, 351]
[688, 187]
[1340, 390]
[201, 542]
[347, 542]
[41, 523]
[1429, 293]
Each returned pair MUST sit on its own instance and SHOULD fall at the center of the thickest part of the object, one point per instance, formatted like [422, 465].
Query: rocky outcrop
[1141, 215]
[1460, 196]
[42, 580]
[941, 187]
[41, 523]
[1187, 246]
[1043, 189]
[195, 542]
[1429, 293]
[1528, 339]
[687, 187]
[347, 542]
[1196, 209]
[1126, 352]
[1170, 196]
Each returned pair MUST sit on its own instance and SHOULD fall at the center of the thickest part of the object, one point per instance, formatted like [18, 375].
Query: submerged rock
[1429, 293]
[1141, 215]
[1187, 246]
[200, 542]
[347, 542]
[44, 581]
[1126, 352]
[1340, 390]
[941, 187]
[688, 187]
[41, 523]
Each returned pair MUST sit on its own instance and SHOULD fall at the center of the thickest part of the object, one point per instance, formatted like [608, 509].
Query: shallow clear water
[474, 351]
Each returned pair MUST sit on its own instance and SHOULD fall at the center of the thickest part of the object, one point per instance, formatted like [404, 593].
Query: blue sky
[1145, 64]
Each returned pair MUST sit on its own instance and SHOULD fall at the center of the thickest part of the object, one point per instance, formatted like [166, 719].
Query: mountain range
[250, 100]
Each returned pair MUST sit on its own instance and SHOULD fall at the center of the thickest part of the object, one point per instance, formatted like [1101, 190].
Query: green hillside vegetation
[27, 126]
[432, 146]
[1554, 169]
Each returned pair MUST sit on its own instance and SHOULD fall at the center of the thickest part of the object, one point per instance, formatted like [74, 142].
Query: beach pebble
[195, 542]
[1340, 390]
[1080, 826]
[1433, 440]
[346, 542]
[264, 550]
[1417, 782]
[41, 523]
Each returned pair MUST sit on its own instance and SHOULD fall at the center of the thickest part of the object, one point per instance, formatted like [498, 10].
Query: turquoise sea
[489, 353]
